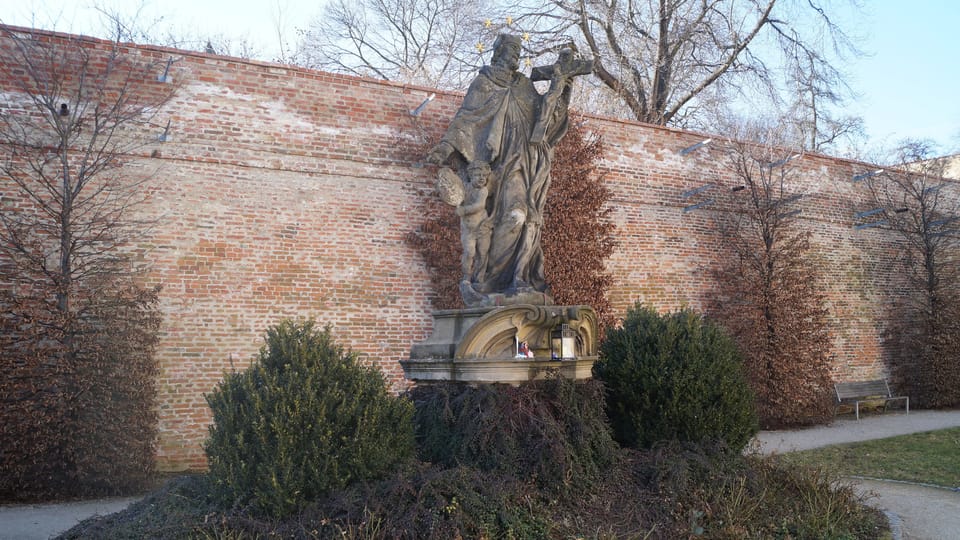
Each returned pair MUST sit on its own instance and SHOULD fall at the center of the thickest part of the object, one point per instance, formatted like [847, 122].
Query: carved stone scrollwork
[481, 345]
[497, 333]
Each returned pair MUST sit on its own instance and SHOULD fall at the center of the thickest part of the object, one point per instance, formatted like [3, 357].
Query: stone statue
[513, 129]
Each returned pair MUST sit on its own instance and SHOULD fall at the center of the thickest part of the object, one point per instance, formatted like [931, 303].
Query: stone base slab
[505, 370]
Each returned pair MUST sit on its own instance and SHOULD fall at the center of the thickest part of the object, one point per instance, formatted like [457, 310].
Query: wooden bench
[861, 391]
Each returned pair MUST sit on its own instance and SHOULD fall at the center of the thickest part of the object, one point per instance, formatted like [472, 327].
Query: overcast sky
[907, 85]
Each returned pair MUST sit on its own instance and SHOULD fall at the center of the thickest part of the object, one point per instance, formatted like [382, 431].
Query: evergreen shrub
[552, 431]
[303, 420]
[674, 377]
[427, 502]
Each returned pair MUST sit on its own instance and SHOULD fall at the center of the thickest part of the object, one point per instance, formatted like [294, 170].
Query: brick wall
[284, 192]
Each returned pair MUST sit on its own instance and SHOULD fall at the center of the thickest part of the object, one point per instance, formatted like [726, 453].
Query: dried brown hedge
[775, 312]
[926, 345]
[78, 395]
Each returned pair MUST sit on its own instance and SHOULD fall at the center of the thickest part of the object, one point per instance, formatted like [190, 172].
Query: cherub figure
[475, 223]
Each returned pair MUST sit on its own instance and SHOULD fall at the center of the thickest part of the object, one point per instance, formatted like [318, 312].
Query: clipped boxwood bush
[674, 377]
[303, 420]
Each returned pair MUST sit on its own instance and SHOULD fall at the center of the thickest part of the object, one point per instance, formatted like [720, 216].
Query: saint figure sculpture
[505, 124]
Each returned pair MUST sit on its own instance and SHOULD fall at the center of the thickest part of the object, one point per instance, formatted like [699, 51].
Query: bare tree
[668, 59]
[78, 329]
[135, 27]
[917, 203]
[669, 62]
[429, 42]
[77, 115]
[136, 23]
[815, 97]
[768, 289]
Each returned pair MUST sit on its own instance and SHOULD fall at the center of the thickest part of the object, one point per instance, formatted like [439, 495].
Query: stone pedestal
[480, 345]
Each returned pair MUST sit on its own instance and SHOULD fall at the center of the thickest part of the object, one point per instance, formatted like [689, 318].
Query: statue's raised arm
[560, 75]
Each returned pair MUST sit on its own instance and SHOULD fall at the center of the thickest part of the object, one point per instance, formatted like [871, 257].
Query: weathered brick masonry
[286, 192]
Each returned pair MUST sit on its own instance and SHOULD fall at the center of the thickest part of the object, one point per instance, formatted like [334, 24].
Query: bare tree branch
[678, 62]
[77, 110]
[430, 42]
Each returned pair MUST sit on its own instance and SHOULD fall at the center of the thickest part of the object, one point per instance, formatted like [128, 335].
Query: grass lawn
[931, 457]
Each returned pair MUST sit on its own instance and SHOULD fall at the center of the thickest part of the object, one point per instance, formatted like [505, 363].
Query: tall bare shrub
[918, 205]
[768, 289]
[77, 376]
